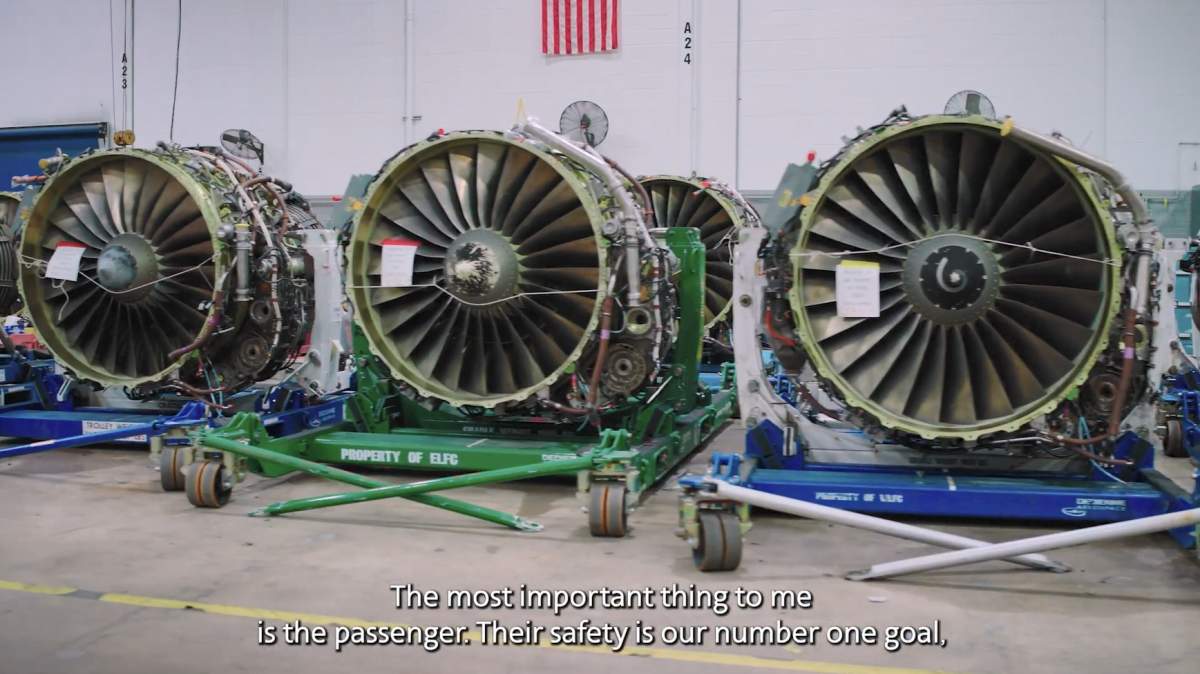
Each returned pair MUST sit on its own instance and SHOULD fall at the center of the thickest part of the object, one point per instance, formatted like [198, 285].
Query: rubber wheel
[606, 510]
[206, 485]
[170, 469]
[1173, 443]
[720, 546]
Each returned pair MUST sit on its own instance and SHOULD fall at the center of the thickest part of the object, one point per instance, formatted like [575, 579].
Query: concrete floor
[101, 572]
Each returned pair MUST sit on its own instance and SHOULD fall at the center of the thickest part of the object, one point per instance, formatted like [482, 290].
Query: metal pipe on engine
[242, 245]
[1121, 184]
[1148, 236]
[635, 229]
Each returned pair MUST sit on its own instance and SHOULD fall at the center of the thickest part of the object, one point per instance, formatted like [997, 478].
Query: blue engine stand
[31, 409]
[1180, 401]
[1125, 493]
[714, 523]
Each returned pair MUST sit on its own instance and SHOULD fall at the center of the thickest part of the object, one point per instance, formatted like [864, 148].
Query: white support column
[1066, 539]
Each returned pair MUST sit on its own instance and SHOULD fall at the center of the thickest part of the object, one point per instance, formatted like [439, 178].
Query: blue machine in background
[21, 148]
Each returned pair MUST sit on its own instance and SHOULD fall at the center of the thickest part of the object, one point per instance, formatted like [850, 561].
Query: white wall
[812, 71]
[322, 82]
[1153, 98]
[345, 100]
[475, 60]
[59, 77]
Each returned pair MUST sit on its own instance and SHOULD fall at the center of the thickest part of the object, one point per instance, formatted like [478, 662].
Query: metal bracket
[758, 399]
[319, 372]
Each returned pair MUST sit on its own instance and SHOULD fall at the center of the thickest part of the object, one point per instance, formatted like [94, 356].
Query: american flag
[578, 26]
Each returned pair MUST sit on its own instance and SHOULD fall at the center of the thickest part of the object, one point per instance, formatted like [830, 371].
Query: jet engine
[148, 262]
[510, 271]
[1010, 296]
[716, 210]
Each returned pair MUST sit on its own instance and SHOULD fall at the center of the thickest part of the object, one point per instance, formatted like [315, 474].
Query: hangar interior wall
[323, 83]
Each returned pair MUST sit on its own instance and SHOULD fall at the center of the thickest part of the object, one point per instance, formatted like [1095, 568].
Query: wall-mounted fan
[242, 144]
[584, 122]
[970, 103]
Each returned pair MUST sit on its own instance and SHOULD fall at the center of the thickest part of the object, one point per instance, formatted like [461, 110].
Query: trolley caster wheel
[206, 485]
[170, 469]
[1173, 443]
[606, 510]
[720, 547]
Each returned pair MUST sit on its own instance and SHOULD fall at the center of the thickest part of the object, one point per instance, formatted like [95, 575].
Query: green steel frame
[636, 445]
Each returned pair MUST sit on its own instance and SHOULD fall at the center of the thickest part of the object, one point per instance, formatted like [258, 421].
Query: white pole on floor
[791, 506]
[1104, 532]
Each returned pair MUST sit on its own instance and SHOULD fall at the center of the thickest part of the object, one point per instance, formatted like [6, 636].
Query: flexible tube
[647, 209]
[602, 353]
[1127, 353]
[206, 332]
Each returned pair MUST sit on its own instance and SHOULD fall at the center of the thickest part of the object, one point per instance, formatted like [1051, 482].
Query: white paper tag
[64, 263]
[399, 258]
[857, 288]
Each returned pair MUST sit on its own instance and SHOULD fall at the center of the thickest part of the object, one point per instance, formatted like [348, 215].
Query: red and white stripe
[578, 26]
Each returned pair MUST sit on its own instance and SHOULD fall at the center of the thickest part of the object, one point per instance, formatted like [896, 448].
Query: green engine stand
[637, 444]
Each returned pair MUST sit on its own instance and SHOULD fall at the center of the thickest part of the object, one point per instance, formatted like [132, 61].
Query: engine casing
[518, 282]
[187, 280]
[1002, 284]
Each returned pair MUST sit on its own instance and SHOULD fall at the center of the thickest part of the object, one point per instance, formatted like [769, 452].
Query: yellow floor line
[705, 657]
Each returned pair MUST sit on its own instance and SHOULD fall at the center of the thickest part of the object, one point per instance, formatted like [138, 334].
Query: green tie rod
[339, 475]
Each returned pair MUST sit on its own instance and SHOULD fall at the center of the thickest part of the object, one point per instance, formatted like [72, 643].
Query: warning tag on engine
[64, 263]
[399, 259]
[857, 287]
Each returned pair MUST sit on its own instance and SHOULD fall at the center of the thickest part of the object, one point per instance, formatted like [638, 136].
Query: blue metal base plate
[975, 497]
[51, 425]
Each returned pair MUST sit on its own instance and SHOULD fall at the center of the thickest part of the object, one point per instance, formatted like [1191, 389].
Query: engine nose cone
[481, 267]
[116, 268]
[127, 267]
[951, 279]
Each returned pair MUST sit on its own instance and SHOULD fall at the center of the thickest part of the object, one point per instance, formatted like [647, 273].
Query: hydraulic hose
[602, 353]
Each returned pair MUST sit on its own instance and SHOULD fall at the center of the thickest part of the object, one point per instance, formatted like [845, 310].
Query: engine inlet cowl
[164, 280]
[510, 271]
[999, 278]
[716, 211]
